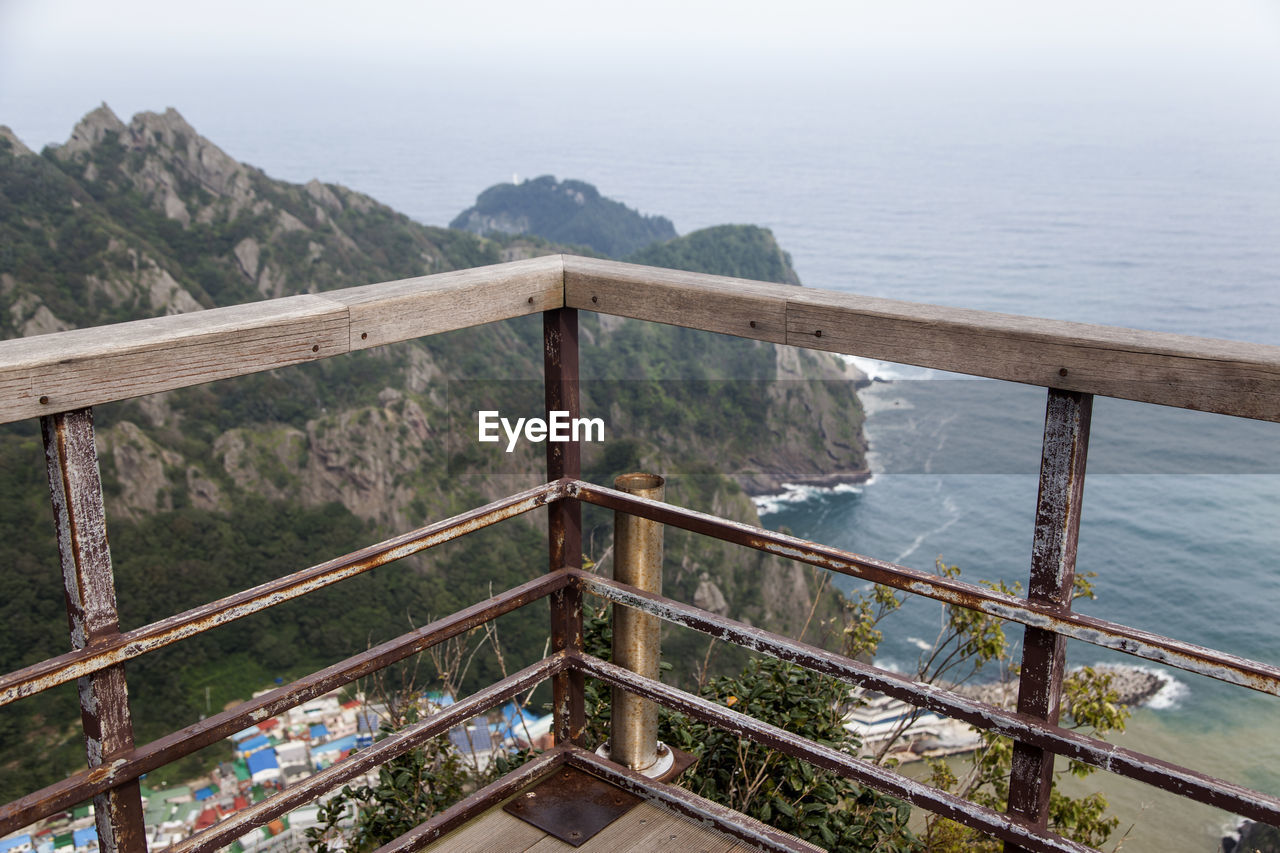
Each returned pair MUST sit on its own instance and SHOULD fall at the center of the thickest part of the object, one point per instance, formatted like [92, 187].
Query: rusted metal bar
[564, 517]
[75, 789]
[476, 804]
[1053, 572]
[723, 818]
[1099, 753]
[1003, 826]
[228, 830]
[1232, 669]
[637, 561]
[115, 649]
[75, 490]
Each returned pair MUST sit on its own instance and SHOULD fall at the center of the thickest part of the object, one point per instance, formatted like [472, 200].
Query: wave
[888, 371]
[798, 493]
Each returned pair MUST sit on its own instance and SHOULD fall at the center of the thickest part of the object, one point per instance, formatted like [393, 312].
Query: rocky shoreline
[1136, 686]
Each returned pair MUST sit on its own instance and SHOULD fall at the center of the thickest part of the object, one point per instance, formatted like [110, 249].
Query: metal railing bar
[1099, 753]
[75, 789]
[1214, 664]
[477, 803]
[223, 833]
[1006, 827]
[131, 644]
[725, 819]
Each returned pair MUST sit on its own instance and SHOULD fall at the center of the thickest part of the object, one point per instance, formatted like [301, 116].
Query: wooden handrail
[59, 372]
[85, 367]
[1228, 377]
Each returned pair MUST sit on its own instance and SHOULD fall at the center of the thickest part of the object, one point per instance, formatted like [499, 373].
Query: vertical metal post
[75, 488]
[564, 521]
[637, 560]
[1053, 570]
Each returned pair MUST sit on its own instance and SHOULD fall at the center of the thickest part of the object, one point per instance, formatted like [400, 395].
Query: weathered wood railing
[60, 377]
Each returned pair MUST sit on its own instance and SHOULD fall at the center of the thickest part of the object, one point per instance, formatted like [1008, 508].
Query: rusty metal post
[564, 520]
[637, 560]
[1053, 571]
[75, 488]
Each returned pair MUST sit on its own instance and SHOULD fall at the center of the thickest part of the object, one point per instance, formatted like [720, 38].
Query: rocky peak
[91, 131]
[194, 155]
[15, 144]
[170, 164]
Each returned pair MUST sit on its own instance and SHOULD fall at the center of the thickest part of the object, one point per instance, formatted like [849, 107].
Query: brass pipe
[637, 549]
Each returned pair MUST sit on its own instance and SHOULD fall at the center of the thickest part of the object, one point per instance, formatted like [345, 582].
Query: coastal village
[273, 755]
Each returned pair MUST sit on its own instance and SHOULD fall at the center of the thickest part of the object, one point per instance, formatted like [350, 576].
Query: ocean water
[1140, 194]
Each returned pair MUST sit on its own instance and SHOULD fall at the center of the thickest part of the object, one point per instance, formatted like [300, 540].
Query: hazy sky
[36, 33]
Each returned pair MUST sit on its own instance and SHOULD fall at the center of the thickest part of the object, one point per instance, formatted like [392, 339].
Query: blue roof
[204, 793]
[245, 734]
[82, 837]
[342, 744]
[16, 841]
[469, 740]
[264, 759]
[254, 743]
[319, 730]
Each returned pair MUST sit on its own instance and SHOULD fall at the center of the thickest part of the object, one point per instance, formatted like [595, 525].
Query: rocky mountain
[215, 488]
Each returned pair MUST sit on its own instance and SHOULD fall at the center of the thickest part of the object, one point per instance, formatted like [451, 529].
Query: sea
[1139, 191]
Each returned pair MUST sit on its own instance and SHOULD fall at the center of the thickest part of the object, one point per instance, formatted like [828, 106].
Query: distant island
[571, 212]
[575, 212]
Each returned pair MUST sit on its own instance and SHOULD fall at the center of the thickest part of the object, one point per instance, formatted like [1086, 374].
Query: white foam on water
[797, 493]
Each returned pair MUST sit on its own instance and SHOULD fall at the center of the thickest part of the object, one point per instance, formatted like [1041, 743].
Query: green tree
[778, 789]
[1090, 705]
[410, 789]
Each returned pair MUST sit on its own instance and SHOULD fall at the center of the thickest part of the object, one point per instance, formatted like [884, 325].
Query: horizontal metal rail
[73, 790]
[1006, 827]
[1144, 644]
[1107, 756]
[232, 827]
[131, 644]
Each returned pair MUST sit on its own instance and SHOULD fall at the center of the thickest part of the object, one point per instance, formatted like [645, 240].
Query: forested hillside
[222, 486]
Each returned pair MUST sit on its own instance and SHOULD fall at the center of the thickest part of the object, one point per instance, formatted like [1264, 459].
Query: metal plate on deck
[572, 805]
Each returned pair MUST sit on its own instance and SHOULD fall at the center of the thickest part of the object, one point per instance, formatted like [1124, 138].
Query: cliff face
[149, 218]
